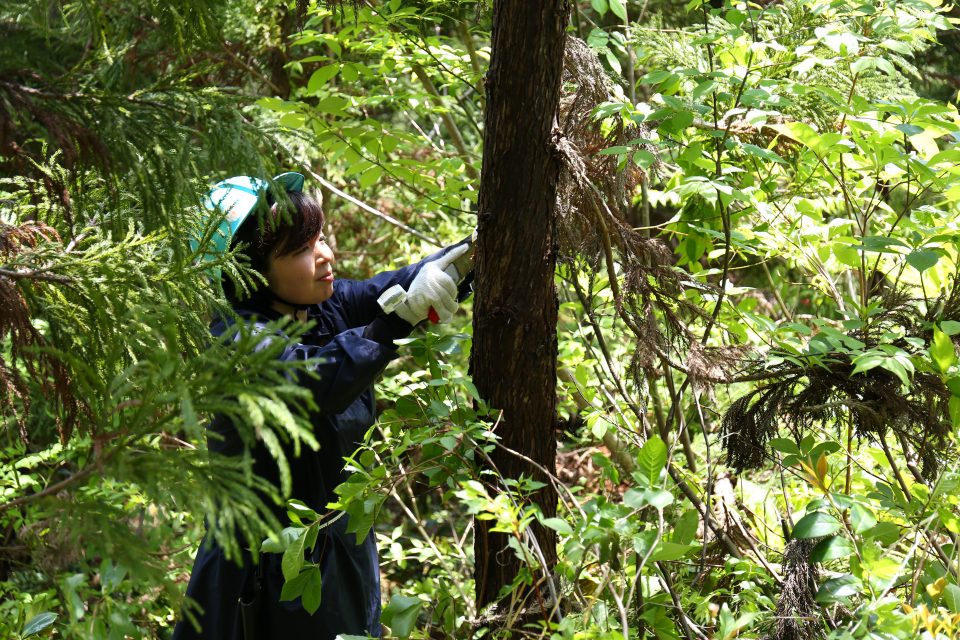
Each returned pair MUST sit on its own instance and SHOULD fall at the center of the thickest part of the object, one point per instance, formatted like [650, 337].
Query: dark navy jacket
[344, 394]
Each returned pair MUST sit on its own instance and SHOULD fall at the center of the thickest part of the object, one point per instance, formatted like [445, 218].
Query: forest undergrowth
[758, 249]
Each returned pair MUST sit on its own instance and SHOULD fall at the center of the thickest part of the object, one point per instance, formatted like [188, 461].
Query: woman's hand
[433, 287]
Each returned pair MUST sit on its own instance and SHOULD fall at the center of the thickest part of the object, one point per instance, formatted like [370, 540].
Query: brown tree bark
[515, 313]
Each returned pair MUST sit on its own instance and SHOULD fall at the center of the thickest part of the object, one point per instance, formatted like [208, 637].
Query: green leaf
[369, 177]
[799, 131]
[685, 528]
[867, 361]
[659, 498]
[667, 551]
[651, 459]
[350, 73]
[909, 129]
[619, 9]
[941, 351]
[38, 623]
[923, 259]
[332, 104]
[401, 615]
[783, 445]
[837, 589]
[885, 533]
[312, 590]
[950, 327]
[815, 525]
[954, 408]
[861, 518]
[898, 368]
[760, 152]
[293, 557]
[831, 548]
[298, 511]
[614, 151]
[321, 76]
[704, 88]
[287, 537]
[293, 120]
[643, 158]
[559, 525]
[600, 6]
[293, 589]
[951, 597]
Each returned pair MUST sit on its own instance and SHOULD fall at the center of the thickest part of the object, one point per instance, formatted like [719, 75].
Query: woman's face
[304, 276]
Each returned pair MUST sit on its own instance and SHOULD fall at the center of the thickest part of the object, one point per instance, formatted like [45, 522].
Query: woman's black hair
[279, 229]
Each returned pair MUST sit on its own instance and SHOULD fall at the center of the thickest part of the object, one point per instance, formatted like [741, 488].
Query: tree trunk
[515, 313]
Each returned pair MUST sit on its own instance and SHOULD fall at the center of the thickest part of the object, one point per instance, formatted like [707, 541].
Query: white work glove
[434, 287]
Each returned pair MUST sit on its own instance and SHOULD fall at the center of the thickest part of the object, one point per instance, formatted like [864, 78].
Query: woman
[353, 339]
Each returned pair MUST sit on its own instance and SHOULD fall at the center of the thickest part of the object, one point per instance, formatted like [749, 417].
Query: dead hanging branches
[797, 614]
[827, 391]
[26, 352]
[594, 197]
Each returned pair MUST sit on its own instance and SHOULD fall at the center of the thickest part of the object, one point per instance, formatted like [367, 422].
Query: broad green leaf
[883, 532]
[760, 152]
[659, 498]
[815, 525]
[898, 368]
[867, 361]
[293, 588]
[685, 528]
[293, 557]
[837, 589]
[293, 120]
[369, 177]
[321, 76]
[941, 351]
[38, 623]
[287, 537]
[861, 518]
[704, 88]
[559, 525]
[298, 511]
[401, 615]
[831, 548]
[951, 597]
[667, 551]
[312, 590]
[881, 570]
[783, 445]
[909, 129]
[614, 151]
[350, 73]
[332, 104]
[643, 158]
[950, 327]
[923, 259]
[613, 60]
[600, 6]
[618, 8]
[651, 459]
[799, 131]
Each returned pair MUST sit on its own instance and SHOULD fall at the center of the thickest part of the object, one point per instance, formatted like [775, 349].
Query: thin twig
[35, 275]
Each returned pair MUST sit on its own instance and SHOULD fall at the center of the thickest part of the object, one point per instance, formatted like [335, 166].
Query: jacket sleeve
[346, 366]
[343, 368]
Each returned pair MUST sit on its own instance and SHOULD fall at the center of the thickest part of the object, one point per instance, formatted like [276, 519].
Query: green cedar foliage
[114, 118]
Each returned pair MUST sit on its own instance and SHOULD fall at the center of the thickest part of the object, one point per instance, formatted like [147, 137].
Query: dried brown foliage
[26, 342]
[797, 612]
[594, 197]
[802, 398]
